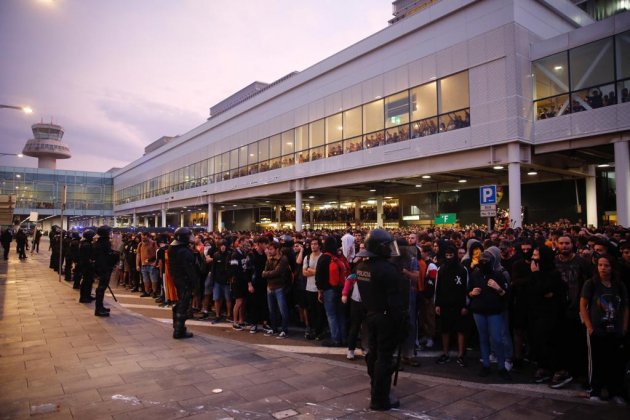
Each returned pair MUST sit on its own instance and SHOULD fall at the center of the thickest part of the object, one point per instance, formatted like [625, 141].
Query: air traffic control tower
[47, 145]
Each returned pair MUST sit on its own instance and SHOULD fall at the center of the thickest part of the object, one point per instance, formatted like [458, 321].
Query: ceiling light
[532, 173]
[311, 196]
[426, 176]
[373, 190]
[462, 181]
[455, 190]
[603, 165]
[388, 198]
[556, 68]
[498, 167]
[418, 185]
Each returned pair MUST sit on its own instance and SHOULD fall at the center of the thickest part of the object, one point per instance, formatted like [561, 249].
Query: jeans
[150, 273]
[276, 300]
[490, 328]
[336, 315]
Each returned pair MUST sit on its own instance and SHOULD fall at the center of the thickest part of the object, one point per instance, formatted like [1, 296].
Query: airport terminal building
[406, 125]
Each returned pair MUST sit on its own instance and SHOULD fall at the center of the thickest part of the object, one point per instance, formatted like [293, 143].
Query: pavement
[57, 360]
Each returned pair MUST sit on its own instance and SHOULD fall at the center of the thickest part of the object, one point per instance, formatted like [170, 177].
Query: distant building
[47, 145]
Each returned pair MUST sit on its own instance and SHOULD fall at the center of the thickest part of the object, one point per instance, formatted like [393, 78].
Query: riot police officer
[86, 266]
[382, 293]
[105, 258]
[181, 267]
[55, 263]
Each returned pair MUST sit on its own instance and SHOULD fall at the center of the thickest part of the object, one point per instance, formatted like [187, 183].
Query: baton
[398, 357]
[112, 292]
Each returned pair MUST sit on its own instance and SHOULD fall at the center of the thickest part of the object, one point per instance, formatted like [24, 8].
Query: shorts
[451, 320]
[221, 292]
[239, 289]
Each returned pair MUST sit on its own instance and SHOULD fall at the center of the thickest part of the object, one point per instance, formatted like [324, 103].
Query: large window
[437, 106]
[583, 78]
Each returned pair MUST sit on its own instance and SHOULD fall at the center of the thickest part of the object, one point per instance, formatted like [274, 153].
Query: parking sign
[488, 194]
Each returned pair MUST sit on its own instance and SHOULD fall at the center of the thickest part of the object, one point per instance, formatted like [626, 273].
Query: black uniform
[6, 238]
[55, 263]
[21, 239]
[74, 255]
[104, 261]
[382, 294]
[185, 276]
[67, 258]
[86, 268]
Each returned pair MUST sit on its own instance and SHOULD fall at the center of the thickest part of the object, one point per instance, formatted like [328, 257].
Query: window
[373, 116]
[622, 46]
[225, 166]
[353, 145]
[551, 76]
[263, 155]
[288, 142]
[453, 93]
[592, 64]
[252, 158]
[397, 109]
[301, 138]
[334, 128]
[352, 123]
[316, 133]
[423, 101]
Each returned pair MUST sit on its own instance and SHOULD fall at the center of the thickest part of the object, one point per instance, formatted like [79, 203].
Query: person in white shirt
[347, 245]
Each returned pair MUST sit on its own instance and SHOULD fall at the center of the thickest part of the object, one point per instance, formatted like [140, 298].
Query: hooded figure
[474, 248]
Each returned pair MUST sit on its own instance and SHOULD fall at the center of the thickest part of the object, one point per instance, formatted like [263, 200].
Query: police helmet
[380, 243]
[88, 234]
[76, 235]
[182, 236]
[287, 240]
[103, 231]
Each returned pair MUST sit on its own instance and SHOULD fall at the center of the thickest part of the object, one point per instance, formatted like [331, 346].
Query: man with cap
[382, 292]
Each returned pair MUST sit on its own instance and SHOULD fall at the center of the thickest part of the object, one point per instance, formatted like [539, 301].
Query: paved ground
[59, 361]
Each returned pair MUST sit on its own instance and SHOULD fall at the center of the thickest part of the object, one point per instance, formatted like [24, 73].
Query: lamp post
[25, 109]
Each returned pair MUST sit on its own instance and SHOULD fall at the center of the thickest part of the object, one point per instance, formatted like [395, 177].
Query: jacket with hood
[489, 301]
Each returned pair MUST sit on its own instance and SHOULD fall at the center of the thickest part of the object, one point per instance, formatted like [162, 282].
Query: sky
[119, 74]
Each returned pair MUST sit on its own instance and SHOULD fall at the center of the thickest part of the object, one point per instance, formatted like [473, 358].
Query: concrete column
[115, 222]
[181, 219]
[622, 179]
[591, 197]
[135, 218]
[278, 212]
[379, 212]
[163, 218]
[514, 184]
[298, 211]
[311, 214]
[357, 211]
[219, 220]
[210, 217]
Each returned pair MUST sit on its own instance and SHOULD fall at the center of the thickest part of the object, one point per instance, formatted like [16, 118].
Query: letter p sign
[488, 194]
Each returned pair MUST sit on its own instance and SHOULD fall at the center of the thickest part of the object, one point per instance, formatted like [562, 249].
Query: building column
[219, 220]
[622, 179]
[514, 185]
[311, 214]
[357, 211]
[298, 211]
[181, 219]
[278, 213]
[163, 224]
[115, 222]
[135, 218]
[210, 217]
[591, 197]
[379, 212]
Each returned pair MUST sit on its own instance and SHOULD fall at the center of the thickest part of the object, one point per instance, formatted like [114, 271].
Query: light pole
[25, 109]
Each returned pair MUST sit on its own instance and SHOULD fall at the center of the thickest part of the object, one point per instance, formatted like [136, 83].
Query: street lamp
[25, 109]
[12, 154]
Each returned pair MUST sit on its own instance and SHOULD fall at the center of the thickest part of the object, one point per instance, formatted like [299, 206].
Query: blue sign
[488, 194]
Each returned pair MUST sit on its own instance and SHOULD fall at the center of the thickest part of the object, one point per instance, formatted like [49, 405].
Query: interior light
[556, 68]
[532, 173]
[455, 190]
[311, 196]
[426, 176]
[498, 167]
[462, 181]
[603, 165]
[372, 190]
[388, 198]
[418, 185]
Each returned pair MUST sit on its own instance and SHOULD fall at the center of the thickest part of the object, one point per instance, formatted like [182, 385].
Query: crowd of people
[554, 296]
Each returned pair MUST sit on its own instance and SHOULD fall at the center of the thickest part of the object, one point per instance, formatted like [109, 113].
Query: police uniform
[105, 258]
[380, 284]
[181, 267]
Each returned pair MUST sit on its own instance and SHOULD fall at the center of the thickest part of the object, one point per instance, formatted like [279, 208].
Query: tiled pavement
[59, 361]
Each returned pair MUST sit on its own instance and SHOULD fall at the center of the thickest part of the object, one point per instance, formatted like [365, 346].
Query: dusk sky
[119, 74]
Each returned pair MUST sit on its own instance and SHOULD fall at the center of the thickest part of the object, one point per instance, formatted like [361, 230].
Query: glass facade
[438, 106]
[590, 76]
[40, 190]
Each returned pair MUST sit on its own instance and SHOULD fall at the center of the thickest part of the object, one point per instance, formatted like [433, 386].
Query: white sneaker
[253, 329]
[619, 401]
[282, 335]
[493, 358]
[429, 343]
[350, 355]
[509, 365]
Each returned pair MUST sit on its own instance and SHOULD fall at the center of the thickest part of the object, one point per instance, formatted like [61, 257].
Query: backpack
[338, 270]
